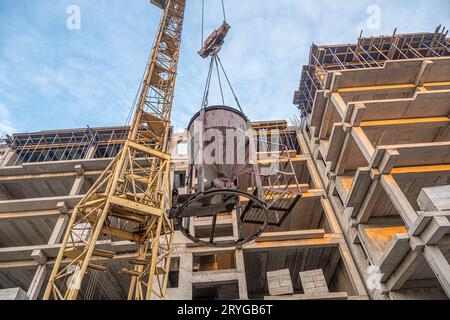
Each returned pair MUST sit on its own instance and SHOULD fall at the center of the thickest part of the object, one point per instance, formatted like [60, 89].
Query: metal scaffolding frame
[63, 145]
[281, 187]
[368, 52]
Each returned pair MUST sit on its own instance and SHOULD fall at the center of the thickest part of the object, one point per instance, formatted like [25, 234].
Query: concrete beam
[39, 256]
[13, 294]
[393, 255]
[399, 200]
[439, 265]
[434, 199]
[38, 204]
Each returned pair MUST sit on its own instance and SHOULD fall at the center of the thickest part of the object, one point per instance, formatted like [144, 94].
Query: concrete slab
[13, 294]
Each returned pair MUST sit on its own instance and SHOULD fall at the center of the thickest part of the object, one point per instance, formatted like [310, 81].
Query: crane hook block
[214, 42]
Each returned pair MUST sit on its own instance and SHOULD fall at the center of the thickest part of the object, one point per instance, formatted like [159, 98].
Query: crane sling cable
[203, 17]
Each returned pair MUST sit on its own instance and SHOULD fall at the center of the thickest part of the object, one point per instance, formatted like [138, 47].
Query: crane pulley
[214, 42]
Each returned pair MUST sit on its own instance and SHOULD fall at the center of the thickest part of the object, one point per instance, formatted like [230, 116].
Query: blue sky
[55, 78]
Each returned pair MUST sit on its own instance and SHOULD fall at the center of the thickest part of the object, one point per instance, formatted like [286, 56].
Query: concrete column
[184, 290]
[90, 153]
[41, 272]
[243, 293]
[37, 282]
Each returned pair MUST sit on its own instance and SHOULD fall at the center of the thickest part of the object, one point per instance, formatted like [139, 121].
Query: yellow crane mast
[130, 198]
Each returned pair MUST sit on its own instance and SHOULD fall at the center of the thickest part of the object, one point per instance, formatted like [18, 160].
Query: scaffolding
[368, 52]
[61, 145]
[276, 147]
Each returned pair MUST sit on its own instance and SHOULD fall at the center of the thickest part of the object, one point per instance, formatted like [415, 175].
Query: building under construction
[361, 188]
[376, 122]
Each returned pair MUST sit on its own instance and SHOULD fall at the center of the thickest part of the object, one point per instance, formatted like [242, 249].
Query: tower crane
[130, 198]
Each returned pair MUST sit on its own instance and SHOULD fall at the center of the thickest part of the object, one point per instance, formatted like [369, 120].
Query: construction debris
[313, 282]
[279, 282]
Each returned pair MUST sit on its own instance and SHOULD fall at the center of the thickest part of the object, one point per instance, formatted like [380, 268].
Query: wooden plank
[329, 240]
[291, 235]
[298, 158]
[407, 123]
[423, 171]
[376, 88]
[123, 235]
[321, 296]
[150, 151]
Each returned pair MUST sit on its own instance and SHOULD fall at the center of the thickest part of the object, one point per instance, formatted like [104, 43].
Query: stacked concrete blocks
[313, 282]
[280, 283]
